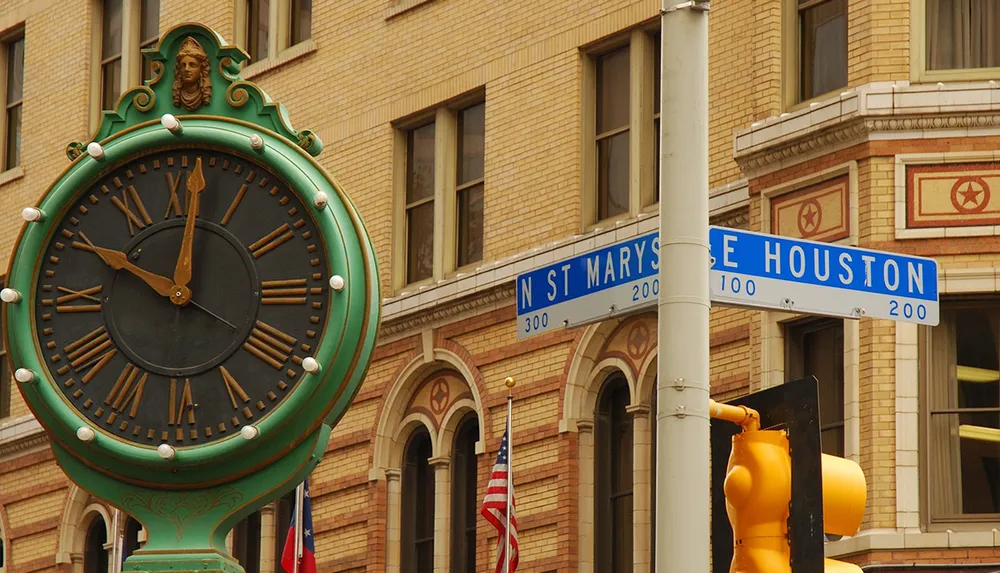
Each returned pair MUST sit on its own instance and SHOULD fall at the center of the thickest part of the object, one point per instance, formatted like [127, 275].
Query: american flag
[495, 506]
[288, 558]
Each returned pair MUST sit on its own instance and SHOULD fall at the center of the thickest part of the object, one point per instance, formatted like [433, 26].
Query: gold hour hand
[119, 261]
[195, 185]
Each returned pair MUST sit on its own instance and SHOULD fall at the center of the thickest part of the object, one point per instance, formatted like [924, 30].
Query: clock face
[179, 295]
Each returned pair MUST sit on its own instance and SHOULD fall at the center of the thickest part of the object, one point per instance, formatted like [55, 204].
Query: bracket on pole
[696, 5]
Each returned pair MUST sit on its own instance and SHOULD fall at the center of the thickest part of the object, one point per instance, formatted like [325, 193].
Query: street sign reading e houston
[753, 270]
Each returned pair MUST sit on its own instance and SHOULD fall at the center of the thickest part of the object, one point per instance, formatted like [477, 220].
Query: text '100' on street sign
[757, 270]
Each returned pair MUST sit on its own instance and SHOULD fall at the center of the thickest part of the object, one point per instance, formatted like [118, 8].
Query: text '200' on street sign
[753, 270]
[771, 272]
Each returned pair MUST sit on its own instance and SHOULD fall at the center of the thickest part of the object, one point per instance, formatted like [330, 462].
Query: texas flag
[288, 557]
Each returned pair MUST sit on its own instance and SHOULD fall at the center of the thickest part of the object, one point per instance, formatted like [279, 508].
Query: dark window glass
[15, 92]
[962, 34]
[257, 29]
[656, 111]
[95, 556]
[417, 535]
[816, 348]
[464, 497]
[246, 543]
[471, 151]
[300, 21]
[149, 32]
[131, 541]
[283, 520]
[613, 478]
[111, 53]
[963, 394]
[612, 133]
[420, 203]
[823, 49]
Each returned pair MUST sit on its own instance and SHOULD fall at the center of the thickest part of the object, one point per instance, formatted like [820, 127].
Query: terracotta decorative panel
[820, 212]
[633, 341]
[437, 394]
[958, 195]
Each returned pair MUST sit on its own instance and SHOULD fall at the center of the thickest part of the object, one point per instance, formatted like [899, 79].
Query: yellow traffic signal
[758, 490]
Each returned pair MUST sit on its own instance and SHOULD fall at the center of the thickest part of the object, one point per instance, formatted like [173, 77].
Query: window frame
[642, 135]
[406, 489]
[795, 332]
[7, 39]
[918, 55]
[791, 50]
[469, 424]
[279, 29]
[932, 522]
[606, 423]
[446, 190]
[130, 54]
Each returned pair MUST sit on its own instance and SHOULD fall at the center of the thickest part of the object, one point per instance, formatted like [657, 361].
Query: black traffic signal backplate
[794, 407]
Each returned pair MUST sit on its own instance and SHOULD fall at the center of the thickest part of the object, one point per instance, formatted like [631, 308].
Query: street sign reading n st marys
[753, 270]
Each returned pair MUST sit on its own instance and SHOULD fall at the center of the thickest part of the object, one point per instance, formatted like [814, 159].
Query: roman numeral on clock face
[127, 391]
[271, 241]
[292, 291]
[130, 217]
[93, 350]
[233, 388]
[270, 344]
[78, 299]
[183, 408]
[175, 203]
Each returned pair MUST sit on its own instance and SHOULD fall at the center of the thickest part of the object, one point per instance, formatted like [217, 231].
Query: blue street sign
[757, 270]
[753, 270]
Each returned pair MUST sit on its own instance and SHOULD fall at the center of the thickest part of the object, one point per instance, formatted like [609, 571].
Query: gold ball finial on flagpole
[509, 382]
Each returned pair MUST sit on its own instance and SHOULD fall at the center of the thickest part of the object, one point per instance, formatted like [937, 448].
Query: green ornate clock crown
[194, 297]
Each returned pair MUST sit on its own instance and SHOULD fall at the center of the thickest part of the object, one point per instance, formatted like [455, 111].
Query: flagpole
[509, 382]
[299, 497]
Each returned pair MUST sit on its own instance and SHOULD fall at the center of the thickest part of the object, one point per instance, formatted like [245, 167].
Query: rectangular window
[822, 52]
[657, 54]
[4, 386]
[420, 203]
[962, 397]
[111, 53]
[300, 21]
[15, 90]
[258, 26]
[816, 348]
[149, 32]
[469, 190]
[962, 34]
[613, 133]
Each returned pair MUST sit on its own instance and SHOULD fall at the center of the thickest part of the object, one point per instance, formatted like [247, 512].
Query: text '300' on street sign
[753, 270]
[596, 285]
[771, 272]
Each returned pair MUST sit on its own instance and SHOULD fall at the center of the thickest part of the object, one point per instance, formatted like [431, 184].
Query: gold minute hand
[118, 261]
[195, 184]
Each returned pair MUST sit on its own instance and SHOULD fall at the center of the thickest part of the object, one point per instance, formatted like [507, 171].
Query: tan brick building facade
[481, 140]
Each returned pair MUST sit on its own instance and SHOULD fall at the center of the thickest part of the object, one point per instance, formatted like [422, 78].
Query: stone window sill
[285, 56]
[12, 174]
[401, 6]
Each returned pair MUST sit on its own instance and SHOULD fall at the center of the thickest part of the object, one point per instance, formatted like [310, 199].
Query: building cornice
[20, 435]
[875, 111]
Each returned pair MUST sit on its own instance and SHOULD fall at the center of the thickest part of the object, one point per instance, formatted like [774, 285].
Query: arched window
[283, 509]
[95, 556]
[246, 542]
[131, 543]
[417, 555]
[464, 496]
[613, 478]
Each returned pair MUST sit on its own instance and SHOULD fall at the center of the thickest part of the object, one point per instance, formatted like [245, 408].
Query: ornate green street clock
[191, 307]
